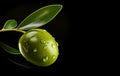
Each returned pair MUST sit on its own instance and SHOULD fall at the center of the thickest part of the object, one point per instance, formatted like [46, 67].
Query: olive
[38, 47]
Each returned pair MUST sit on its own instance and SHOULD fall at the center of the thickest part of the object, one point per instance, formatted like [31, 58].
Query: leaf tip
[60, 5]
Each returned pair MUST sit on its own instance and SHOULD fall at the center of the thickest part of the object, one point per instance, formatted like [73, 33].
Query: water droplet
[35, 50]
[45, 59]
[42, 41]
[57, 44]
[53, 45]
[53, 57]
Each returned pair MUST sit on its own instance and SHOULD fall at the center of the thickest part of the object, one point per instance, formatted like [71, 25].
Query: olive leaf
[21, 62]
[9, 24]
[9, 49]
[40, 17]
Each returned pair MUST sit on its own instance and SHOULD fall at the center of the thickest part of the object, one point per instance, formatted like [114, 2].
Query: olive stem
[17, 30]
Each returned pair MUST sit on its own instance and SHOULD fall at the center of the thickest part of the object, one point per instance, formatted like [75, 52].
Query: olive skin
[38, 47]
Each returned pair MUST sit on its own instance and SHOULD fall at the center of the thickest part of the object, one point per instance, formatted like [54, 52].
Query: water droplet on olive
[45, 59]
[35, 50]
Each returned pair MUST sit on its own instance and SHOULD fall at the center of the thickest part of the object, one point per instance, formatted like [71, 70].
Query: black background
[79, 29]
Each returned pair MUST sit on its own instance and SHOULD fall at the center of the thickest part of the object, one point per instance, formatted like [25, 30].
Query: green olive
[39, 47]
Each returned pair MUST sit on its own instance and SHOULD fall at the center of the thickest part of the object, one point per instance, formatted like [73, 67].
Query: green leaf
[40, 17]
[9, 49]
[21, 62]
[9, 24]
